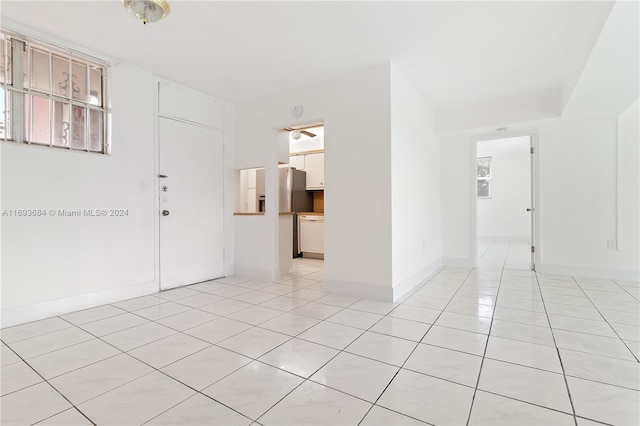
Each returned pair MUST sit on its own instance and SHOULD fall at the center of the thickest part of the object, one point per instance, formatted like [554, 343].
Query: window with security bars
[52, 97]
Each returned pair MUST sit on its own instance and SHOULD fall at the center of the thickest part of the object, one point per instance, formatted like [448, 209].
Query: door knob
[165, 212]
[529, 210]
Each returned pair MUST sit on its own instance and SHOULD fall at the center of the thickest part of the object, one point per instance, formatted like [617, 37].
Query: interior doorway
[301, 194]
[505, 212]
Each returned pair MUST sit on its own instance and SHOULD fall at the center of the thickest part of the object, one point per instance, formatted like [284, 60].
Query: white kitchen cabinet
[314, 166]
[297, 161]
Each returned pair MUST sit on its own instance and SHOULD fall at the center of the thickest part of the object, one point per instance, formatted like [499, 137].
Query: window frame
[17, 96]
[485, 178]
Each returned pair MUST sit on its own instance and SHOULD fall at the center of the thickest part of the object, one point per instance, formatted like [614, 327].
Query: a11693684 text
[65, 212]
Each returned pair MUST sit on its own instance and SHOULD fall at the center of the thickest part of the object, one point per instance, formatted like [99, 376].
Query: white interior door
[191, 203]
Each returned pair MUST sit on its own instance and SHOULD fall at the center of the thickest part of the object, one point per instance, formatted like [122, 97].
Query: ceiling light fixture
[297, 133]
[147, 10]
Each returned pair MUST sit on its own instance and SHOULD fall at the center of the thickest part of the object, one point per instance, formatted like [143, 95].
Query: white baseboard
[256, 273]
[378, 292]
[589, 271]
[458, 262]
[38, 311]
[384, 293]
[416, 279]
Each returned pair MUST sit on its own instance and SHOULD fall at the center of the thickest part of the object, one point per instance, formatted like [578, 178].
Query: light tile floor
[494, 345]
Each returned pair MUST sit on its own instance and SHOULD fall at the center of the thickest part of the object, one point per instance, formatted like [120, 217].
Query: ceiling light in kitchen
[147, 10]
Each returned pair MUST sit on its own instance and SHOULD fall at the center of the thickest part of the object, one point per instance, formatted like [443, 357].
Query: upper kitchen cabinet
[306, 152]
[314, 166]
[297, 161]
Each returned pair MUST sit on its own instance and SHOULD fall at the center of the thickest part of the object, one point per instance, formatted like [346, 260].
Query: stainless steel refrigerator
[293, 196]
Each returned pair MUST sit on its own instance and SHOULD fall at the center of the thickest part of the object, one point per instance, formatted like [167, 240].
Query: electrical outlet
[612, 245]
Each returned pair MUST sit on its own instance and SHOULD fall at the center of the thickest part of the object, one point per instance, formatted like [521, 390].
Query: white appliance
[311, 235]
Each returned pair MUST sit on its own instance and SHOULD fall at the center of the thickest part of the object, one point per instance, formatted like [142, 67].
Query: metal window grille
[52, 97]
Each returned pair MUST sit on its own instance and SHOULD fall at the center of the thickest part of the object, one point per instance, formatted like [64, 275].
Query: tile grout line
[159, 370]
[564, 374]
[305, 379]
[607, 321]
[364, 331]
[484, 354]
[344, 351]
[327, 319]
[626, 290]
[291, 338]
[416, 346]
[44, 380]
[137, 378]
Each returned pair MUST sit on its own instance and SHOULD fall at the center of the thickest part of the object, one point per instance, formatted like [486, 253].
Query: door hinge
[533, 249]
[531, 150]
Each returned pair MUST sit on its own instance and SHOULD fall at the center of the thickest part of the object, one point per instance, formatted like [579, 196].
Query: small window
[483, 175]
[60, 101]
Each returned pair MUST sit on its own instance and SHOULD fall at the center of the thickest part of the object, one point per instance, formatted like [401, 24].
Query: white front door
[191, 203]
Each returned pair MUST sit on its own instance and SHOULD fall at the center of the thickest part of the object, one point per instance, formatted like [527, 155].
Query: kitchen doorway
[301, 193]
[504, 197]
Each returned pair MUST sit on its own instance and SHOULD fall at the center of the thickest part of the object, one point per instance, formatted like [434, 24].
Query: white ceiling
[455, 53]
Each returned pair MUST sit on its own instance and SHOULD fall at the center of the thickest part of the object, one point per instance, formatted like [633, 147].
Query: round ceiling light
[147, 10]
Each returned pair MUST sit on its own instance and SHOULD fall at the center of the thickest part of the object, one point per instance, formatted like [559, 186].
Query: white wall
[55, 264]
[628, 130]
[457, 195]
[415, 179]
[355, 109]
[504, 214]
[609, 82]
[578, 198]
[587, 164]
[577, 206]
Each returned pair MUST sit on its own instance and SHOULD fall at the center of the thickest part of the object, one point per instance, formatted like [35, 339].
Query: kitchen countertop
[311, 213]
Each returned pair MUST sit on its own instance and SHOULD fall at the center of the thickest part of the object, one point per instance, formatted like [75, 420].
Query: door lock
[165, 212]
[529, 210]
[164, 188]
